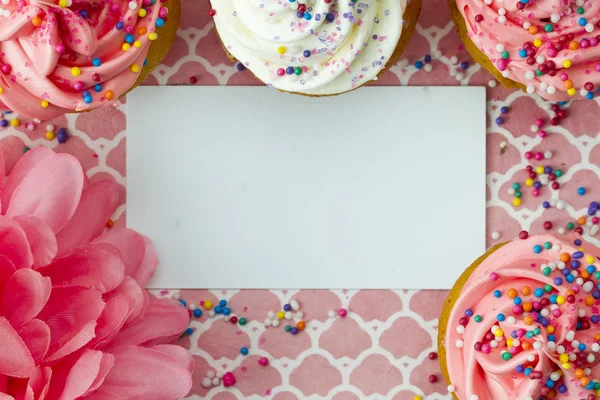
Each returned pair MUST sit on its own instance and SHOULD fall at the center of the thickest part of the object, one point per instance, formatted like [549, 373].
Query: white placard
[246, 187]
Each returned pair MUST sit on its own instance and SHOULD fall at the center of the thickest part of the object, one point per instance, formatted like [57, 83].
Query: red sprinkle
[523, 235]
[434, 379]
[433, 355]
[547, 225]
[212, 12]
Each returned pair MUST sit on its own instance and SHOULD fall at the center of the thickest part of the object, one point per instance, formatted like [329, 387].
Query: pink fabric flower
[75, 320]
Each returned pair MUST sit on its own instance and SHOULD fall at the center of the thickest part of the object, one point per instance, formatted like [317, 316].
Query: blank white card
[246, 187]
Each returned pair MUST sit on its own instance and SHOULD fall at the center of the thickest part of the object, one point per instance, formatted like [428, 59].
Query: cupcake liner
[410, 18]
[449, 305]
[478, 55]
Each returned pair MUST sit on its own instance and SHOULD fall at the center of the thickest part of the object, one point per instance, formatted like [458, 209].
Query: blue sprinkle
[575, 264]
[581, 191]
[218, 310]
[539, 292]
[189, 331]
[589, 96]
[499, 120]
[197, 313]
[581, 347]
[330, 17]
[183, 303]
[582, 21]
[419, 64]
[551, 338]
[550, 383]
[497, 293]
[306, 53]
[83, 13]
[570, 278]
[537, 249]
[500, 317]
[96, 62]
[226, 311]
[87, 99]
[523, 53]
[160, 22]
[240, 67]
[307, 16]
[577, 242]
[98, 88]
[223, 303]
[520, 369]
[504, 110]
[517, 300]
[244, 351]
[546, 204]
[427, 58]
[129, 38]
[464, 65]
[577, 254]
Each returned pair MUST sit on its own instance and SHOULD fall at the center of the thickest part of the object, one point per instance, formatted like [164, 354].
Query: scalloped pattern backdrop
[380, 351]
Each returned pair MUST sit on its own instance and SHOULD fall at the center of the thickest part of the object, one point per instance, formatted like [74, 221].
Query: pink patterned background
[381, 349]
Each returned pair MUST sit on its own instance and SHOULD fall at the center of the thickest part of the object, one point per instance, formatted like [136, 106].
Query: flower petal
[15, 359]
[136, 250]
[96, 266]
[40, 382]
[75, 376]
[97, 204]
[40, 237]
[7, 269]
[36, 336]
[71, 315]
[23, 167]
[163, 321]
[50, 192]
[13, 242]
[25, 294]
[145, 373]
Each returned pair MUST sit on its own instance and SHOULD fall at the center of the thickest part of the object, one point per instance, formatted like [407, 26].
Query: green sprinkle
[243, 321]
[547, 245]
[26, 149]
[597, 274]
[538, 72]
[478, 318]
[548, 27]
[505, 54]
[547, 271]
[297, 70]
[288, 328]
[516, 186]
[537, 331]
[580, 10]
[558, 173]
[529, 334]
[570, 226]
[518, 194]
[506, 356]
[547, 288]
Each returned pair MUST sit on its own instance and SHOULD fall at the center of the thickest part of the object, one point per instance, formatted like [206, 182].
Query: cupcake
[315, 47]
[548, 47]
[522, 323]
[77, 55]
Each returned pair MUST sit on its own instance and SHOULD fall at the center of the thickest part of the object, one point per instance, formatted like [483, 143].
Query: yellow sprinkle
[516, 202]
[567, 63]
[1, 90]
[75, 71]
[153, 36]
[566, 366]
[63, 3]
[281, 315]
[50, 135]
[550, 329]
[509, 342]
[142, 13]
[560, 300]
[539, 170]
[208, 304]
[537, 42]
[498, 332]
[417, 398]
[597, 393]
[135, 68]
[15, 122]
[563, 358]
[44, 104]
[281, 50]
[529, 182]
[126, 46]
[590, 259]
[572, 91]
[137, 44]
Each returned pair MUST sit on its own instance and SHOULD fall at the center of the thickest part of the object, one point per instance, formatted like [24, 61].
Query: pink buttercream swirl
[563, 64]
[56, 59]
[539, 338]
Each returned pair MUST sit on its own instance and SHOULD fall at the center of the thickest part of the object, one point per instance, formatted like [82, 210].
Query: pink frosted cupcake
[77, 55]
[522, 323]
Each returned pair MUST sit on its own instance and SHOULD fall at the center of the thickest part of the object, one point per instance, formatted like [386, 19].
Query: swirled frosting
[60, 56]
[317, 47]
[525, 325]
[550, 46]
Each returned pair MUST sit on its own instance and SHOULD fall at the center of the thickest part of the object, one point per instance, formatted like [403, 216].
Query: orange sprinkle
[551, 394]
[564, 257]
[584, 274]
[526, 290]
[109, 95]
[512, 293]
[570, 291]
[579, 373]
[528, 320]
[526, 345]
[142, 31]
[573, 45]
[597, 336]
[568, 84]
[584, 381]
[590, 301]
[110, 223]
[581, 220]
[527, 306]
[36, 21]
[533, 29]
[301, 325]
